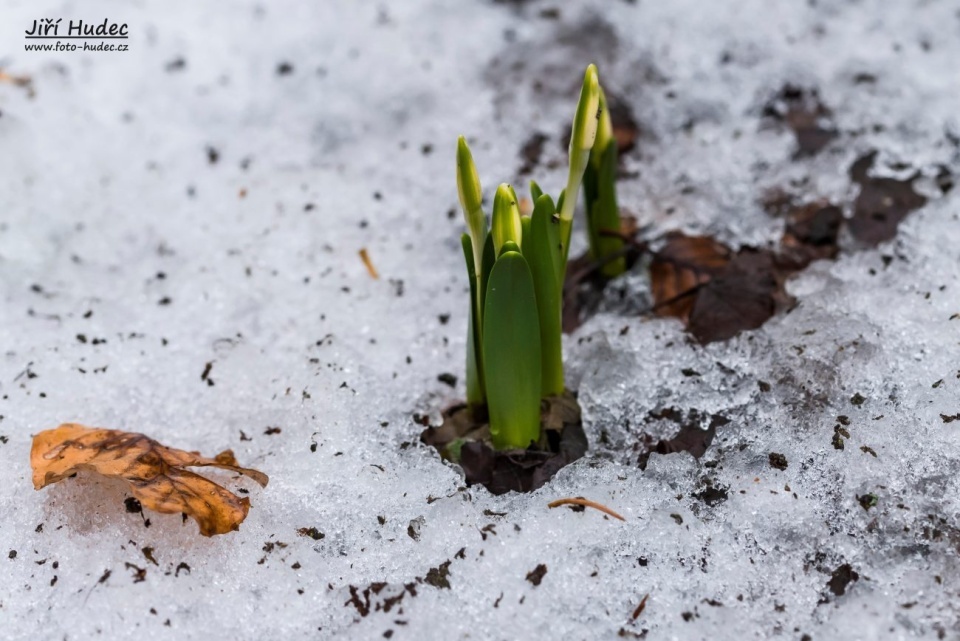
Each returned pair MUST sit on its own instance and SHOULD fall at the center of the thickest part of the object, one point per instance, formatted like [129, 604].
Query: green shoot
[476, 396]
[582, 136]
[535, 191]
[511, 344]
[471, 199]
[600, 198]
[542, 253]
[516, 270]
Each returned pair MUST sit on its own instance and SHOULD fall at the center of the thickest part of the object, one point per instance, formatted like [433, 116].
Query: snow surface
[117, 224]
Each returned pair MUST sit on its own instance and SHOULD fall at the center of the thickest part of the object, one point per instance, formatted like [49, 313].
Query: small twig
[585, 503]
[19, 81]
[365, 257]
[26, 82]
[639, 610]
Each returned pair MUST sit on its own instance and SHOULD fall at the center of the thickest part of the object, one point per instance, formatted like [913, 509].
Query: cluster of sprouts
[517, 265]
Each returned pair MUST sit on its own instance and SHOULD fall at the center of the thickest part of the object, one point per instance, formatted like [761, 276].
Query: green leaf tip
[471, 198]
[468, 182]
[506, 218]
[535, 191]
[582, 137]
[585, 121]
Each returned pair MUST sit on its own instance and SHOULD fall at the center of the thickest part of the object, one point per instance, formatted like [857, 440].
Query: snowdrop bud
[471, 197]
[506, 218]
[585, 121]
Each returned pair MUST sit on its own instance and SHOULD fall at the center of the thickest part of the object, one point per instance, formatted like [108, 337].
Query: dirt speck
[778, 461]
[311, 532]
[535, 576]
[437, 577]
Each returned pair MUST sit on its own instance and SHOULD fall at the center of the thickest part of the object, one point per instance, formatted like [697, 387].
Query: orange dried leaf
[155, 472]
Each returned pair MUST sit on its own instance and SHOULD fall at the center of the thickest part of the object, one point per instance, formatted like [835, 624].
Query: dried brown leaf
[154, 472]
[742, 297]
[882, 202]
[680, 268]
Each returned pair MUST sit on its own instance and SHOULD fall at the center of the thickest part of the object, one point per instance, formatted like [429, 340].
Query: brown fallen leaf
[155, 472]
[680, 268]
[882, 202]
[716, 292]
[742, 297]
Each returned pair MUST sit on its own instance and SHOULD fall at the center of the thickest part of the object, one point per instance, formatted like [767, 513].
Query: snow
[108, 182]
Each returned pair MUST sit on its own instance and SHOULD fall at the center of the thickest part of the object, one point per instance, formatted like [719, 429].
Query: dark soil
[465, 439]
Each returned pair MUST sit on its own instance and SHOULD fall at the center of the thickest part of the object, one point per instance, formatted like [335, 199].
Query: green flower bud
[584, 134]
[506, 218]
[585, 121]
[471, 199]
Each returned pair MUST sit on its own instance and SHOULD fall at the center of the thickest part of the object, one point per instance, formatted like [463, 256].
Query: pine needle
[579, 500]
[365, 257]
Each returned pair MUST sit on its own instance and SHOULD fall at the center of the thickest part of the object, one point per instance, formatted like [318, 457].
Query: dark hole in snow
[882, 202]
[842, 577]
[802, 111]
[692, 436]
[713, 494]
[464, 438]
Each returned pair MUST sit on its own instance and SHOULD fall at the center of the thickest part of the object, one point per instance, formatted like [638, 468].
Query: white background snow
[196, 201]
